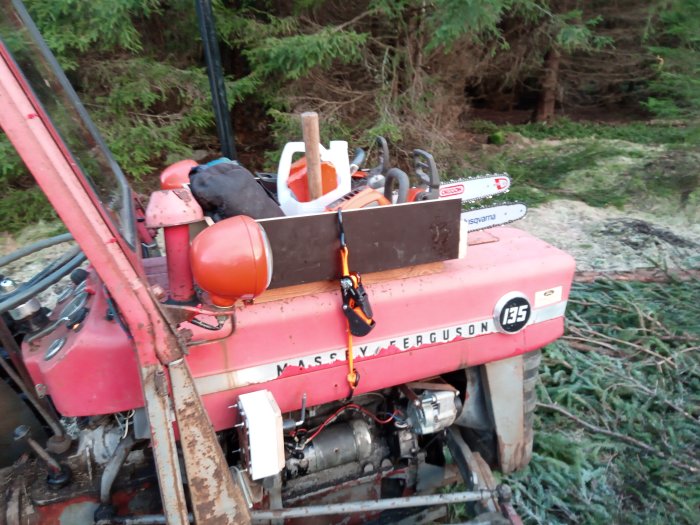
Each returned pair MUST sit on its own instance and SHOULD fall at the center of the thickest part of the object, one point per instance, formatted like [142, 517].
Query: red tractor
[244, 375]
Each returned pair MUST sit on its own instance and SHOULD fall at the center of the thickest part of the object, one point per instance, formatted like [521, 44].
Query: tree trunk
[550, 82]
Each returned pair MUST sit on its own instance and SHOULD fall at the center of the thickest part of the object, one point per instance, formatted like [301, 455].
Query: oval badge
[512, 313]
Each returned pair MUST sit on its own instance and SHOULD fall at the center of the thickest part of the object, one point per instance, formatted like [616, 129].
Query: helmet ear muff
[232, 260]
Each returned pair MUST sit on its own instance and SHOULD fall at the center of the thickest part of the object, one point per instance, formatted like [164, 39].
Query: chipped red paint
[173, 210]
[66, 511]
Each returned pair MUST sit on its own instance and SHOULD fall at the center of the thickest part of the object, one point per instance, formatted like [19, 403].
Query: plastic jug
[298, 179]
[336, 154]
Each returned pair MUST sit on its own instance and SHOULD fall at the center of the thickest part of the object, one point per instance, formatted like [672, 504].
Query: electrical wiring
[399, 420]
[332, 417]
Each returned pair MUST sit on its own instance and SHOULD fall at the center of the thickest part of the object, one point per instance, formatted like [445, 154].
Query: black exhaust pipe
[212, 56]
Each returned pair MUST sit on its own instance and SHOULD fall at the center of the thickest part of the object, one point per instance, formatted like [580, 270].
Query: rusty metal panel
[216, 498]
[155, 390]
[504, 386]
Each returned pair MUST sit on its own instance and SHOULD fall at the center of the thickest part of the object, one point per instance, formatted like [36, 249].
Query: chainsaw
[477, 188]
[368, 184]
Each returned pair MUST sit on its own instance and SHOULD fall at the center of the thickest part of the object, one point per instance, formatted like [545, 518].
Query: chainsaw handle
[422, 161]
[384, 159]
[359, 159]
[404, 183]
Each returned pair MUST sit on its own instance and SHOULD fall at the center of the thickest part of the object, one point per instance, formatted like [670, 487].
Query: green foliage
[150, 105]
[476, 19]
[247, 26]
[572, 33]
[11, 167]
[21, 207]
[385, 127]
[562, 128]
[497, 138]
[147, 118]
[676, 44]
[629, 365]
[290, 58]
[480, 20]
[596, 172]
[601, 165]
[22, 203]
[278, 50]
[72, 27]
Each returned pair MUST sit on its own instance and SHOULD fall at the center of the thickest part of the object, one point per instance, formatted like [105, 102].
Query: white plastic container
[337, 154]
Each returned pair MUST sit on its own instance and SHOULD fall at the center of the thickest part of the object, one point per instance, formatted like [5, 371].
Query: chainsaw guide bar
[491, 216]
[476, 188]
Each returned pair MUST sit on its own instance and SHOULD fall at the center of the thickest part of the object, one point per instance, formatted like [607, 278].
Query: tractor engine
[380, 441]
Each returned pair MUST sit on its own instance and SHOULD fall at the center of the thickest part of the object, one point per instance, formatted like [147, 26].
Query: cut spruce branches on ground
[619, 410]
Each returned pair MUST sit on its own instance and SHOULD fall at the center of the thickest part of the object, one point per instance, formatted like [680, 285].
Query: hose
[359, 159]
[52, 267]
[112, 469]
[26, 292]
[35, 247]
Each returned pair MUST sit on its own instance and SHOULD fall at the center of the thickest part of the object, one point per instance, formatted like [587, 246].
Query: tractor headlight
[232, 260]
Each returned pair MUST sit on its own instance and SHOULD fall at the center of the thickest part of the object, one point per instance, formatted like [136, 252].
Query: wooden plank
[288, 292]
[306, 248]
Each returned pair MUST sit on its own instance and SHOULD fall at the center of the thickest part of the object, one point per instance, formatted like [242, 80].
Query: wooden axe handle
[312, 139]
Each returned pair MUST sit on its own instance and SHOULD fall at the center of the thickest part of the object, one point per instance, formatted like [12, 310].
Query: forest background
[428, 74]
[542, 89]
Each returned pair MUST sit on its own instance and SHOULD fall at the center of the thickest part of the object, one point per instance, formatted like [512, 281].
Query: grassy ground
[618, 429]
[599, 164]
